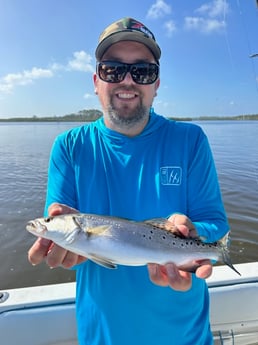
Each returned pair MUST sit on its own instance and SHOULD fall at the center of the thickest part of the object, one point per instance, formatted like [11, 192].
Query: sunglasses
[143, 73]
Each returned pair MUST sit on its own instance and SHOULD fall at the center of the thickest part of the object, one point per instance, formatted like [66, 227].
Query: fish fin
[167, 225]
[225, 241]
[72, 236]
[102, 261]
[162, 223]
[98, 230]
[202, 238]
[95, 230]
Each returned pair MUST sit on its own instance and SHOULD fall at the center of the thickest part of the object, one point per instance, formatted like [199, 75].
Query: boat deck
[45, 315]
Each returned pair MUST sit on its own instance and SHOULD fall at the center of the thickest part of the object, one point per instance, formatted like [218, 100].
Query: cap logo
[134, 25]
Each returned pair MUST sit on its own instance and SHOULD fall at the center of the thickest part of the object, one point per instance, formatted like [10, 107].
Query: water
[24, 154]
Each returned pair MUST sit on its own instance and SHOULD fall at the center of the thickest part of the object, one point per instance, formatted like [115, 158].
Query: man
[135, 164]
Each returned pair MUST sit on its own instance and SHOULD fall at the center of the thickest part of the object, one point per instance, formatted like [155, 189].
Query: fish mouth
[35, 226]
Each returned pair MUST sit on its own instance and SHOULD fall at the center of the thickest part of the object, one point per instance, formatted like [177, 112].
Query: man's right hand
[54, 255]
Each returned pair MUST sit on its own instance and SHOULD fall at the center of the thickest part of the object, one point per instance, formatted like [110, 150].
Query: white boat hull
[234, 305]
[45, 315]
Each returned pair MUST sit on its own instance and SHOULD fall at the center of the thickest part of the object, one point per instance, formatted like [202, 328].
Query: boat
[45, 315]
[234, 305]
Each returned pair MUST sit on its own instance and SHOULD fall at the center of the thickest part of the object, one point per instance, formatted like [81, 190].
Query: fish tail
[225, 252]
[226, 259]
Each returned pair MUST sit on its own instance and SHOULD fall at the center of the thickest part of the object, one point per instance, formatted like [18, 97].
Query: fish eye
[48, 219]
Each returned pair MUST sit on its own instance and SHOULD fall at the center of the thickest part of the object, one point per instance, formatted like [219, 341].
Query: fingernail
[171, 270]
[44, 241]
[153, 269]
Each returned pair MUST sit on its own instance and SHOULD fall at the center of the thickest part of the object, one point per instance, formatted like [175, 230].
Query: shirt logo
[170, 176]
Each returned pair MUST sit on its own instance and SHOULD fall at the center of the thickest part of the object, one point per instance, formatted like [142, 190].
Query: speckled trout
[111, 241]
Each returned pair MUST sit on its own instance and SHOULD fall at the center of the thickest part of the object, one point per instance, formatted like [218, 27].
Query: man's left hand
[169, 274]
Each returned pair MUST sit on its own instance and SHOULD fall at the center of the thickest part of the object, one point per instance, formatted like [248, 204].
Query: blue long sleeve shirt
[166, 169]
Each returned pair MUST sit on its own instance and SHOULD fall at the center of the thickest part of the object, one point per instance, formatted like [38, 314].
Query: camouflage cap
[127, 29]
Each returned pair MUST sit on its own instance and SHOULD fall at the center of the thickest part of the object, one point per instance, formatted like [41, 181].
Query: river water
[24, 154]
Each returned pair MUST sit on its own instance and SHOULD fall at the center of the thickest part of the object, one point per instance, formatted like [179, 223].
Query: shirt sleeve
[205, 205]
[61, 177]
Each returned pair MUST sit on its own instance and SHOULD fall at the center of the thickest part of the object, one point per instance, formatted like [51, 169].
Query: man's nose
[128, 78]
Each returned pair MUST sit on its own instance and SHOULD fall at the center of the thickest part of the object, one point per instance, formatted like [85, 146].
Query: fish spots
[200, 244]
[189, 243]
[148, 235]
[151, 233]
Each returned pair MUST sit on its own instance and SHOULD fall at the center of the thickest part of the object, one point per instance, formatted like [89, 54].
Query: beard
[126, 117]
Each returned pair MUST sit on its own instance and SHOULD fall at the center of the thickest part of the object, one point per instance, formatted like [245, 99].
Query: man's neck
[129, 131]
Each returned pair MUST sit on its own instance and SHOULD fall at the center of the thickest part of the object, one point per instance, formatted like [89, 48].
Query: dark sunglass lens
[145, 73]
[112, 72]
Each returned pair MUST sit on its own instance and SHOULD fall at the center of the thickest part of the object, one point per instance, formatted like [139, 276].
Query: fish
[110, 241]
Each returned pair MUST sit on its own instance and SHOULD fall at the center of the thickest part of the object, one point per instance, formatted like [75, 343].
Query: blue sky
[47, 54]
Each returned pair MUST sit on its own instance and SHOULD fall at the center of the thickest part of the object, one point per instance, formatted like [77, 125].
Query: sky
[47, 54]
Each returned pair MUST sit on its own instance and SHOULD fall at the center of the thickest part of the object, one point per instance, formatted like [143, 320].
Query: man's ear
[157, 83]
[95, 81]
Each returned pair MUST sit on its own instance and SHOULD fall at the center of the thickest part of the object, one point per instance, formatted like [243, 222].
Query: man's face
[126, 103]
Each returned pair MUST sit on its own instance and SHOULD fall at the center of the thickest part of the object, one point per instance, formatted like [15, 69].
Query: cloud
[211, 17]
[214, 9]
[88, 96]
[80, 62]
[204, 25]
[170, 27]
[24, 78]
[159, 9]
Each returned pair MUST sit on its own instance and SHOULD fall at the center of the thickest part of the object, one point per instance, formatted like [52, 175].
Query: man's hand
[53, 254]
[169, 274]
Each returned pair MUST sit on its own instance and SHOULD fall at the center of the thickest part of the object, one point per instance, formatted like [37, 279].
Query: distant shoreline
[87, 118]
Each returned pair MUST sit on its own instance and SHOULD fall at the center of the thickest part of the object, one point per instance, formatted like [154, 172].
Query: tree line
[82, 116]
[89, 115]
